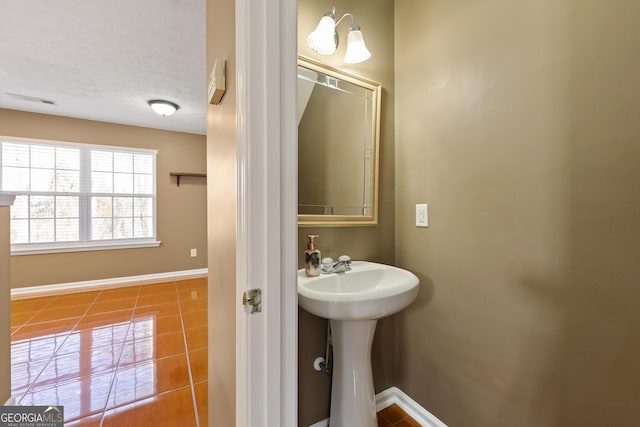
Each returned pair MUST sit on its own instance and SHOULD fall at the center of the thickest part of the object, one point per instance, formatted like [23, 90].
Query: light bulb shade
[163, 108]
[324, 38]
[356, 50]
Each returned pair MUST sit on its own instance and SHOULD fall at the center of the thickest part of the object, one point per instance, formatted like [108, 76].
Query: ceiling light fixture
[324, 39]
[162, 107]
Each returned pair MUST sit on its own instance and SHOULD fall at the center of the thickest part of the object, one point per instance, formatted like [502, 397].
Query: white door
[266, 55]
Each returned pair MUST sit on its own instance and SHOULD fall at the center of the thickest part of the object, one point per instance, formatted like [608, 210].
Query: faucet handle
[345, 258]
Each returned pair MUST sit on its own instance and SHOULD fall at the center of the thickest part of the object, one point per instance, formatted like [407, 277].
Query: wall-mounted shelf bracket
[181, 174]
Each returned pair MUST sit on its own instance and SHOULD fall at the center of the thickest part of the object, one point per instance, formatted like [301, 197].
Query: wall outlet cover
[422, 215]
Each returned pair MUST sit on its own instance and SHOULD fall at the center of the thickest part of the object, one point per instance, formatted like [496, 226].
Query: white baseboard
[393, 395]
[89, 285]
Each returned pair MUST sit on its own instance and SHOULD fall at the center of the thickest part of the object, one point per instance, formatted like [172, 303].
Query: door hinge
[252, 300]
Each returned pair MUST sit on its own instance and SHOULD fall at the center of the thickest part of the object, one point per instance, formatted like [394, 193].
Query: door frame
[267, 342]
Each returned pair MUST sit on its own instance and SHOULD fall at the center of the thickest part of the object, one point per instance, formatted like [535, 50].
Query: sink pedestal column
[352, 394]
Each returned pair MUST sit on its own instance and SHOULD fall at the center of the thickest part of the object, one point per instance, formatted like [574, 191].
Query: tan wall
[518, 123]
[221, 202]
[361, 243]
[5, 305]
[181, 211]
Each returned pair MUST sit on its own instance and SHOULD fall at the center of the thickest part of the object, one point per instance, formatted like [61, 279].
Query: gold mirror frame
[305, 220]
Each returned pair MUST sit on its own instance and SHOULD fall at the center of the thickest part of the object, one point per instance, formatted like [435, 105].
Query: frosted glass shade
[163, 108]
[323, 38]
[356, 50]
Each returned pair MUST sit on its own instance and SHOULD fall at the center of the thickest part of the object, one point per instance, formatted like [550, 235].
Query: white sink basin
[369, 291]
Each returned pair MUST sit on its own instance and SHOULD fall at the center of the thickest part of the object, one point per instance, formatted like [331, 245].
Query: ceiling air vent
[30, 98]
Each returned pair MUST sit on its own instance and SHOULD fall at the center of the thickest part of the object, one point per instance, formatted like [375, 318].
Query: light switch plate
[422, 215]
[194, 253]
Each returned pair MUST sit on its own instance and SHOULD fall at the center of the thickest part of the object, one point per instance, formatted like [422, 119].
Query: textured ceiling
[103, 60]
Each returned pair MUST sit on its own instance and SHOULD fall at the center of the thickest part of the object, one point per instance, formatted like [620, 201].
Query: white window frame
[85, 194]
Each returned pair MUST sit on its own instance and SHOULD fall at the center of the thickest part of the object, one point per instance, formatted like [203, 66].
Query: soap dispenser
[312, 257]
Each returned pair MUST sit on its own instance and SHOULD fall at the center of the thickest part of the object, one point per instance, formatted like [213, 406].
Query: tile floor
[129, 356]
[394, 416]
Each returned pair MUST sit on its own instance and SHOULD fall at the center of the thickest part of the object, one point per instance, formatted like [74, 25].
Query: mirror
[338, 137]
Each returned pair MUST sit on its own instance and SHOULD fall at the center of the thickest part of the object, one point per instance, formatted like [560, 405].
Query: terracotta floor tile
[145, 325]
[149, 378]
[91, 421]
[193, 294]
[117, 293]
[28, 350]
[157, 347]
[94, 338]
[158, 288]
[19, 319]
[14, 328]
[80, 397]
[156, 299]
[197, 338]
[59, 313]
[382, 422]
[199, 364]
[74, 299]
[159, 309]
[46, 329]
[24, 374]
[197, 283]
[107, 306]
[408, 422]
[190, 306]
[393, 414]
[195, 319]
[202, 401]
[30, 304]
[99, 320]
[169, 409]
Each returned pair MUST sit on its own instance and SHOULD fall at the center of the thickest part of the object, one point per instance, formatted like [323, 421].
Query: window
[73, 197]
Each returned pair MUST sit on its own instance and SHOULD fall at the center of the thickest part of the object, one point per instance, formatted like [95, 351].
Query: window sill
[31, 249]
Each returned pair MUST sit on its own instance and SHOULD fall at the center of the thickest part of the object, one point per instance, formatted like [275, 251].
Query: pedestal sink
[353, 301]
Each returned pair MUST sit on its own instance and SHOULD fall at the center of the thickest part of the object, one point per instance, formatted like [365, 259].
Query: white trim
[266, 342]
[144, 279]
[393, 395]
[35, 249]
[7, 199]
[40, 141]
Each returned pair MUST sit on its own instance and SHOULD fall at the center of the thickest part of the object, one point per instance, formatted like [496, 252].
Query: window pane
[15, 154]
[42, 230]
[123, 183]
[142, 206]
[101, 229]
[143, 227]
[143, 184]
[123, 162]
[19, 231]
[101, 207]
[143, 163]
[101, 161]
[68, 181]
[67, 207]
[15, 179]
[43, 180]
[67, 230]
[42, 157]
[102, 182]
[67, 158]
[42, 207]
[123, 207]
[123, 228]
[20, 208]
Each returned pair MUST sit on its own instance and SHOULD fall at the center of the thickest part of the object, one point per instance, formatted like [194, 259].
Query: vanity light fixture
[162, 107]
[324, 39]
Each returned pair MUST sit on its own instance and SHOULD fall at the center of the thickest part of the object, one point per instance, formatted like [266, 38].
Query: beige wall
[5, 305]
[221, 202]
[518, 123]
[361, 243]
[181, 211]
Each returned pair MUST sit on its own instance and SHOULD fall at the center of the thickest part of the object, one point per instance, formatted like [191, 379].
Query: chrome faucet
[343, 264]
